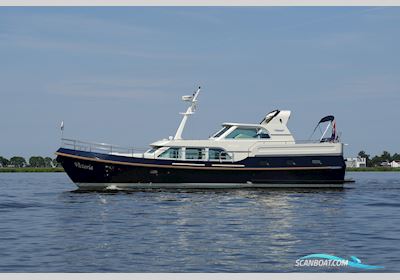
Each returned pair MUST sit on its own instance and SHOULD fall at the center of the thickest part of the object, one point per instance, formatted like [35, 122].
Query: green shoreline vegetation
[380, 161]
[30, 169]
[373, 169]
[34, 164]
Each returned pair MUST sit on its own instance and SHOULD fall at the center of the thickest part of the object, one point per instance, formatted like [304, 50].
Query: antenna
[190, 111]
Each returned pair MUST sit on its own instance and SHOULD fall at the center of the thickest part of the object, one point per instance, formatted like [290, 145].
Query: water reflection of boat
[239, 155]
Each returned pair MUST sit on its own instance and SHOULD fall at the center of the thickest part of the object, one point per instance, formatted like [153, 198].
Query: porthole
[290, 163]
[316, 162]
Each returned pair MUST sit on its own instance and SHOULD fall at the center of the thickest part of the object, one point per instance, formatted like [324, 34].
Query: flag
[62, 126]
[334, 130]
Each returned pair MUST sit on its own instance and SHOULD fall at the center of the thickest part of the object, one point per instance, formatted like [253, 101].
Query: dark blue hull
[88, 169]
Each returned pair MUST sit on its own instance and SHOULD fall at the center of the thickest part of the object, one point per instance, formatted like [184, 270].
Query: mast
[190, 111]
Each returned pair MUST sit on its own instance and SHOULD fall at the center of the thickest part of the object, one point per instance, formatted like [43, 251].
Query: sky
[116, 75]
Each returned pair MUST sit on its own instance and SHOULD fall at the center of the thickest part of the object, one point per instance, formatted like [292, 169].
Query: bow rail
[99, 147]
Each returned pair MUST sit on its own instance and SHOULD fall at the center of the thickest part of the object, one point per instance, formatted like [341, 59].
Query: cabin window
[194, 153]
[222, 131]
[242, 133]
[171, 153]
[316, 162]
[152, 150]
[218, 154]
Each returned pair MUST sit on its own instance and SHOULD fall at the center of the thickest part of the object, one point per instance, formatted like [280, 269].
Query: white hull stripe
[188, 164]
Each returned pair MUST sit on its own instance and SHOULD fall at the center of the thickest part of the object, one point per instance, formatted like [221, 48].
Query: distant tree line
[378, 159]
[35, 161]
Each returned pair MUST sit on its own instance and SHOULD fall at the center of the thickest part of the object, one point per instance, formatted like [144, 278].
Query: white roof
[242, 124]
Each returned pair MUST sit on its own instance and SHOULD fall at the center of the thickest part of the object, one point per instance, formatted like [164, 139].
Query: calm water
[44, 227]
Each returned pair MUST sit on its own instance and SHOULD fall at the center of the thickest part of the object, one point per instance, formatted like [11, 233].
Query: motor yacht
[239, 155]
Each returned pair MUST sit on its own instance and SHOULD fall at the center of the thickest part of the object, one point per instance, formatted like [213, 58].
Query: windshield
[248, 133]
[240, 133]
[222, 131]
[152, 150]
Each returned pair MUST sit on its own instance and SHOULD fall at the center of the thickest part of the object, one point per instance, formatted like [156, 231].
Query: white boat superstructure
[240, 140]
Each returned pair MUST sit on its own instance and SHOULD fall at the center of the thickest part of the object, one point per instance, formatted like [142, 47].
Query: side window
[243, 133]
[171, 153]
[194, 153]
[218, 154]
[262, 134]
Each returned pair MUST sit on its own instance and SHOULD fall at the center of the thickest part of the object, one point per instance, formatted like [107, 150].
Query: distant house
[395, 164]
[385, 164]
[357, 162]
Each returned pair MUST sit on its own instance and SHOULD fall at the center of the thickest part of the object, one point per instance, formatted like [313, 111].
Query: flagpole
[62, 130]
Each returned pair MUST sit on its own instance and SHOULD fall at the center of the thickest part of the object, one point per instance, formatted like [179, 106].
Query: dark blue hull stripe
[193, 166]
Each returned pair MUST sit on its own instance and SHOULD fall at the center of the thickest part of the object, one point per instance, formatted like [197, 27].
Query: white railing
[98, 147]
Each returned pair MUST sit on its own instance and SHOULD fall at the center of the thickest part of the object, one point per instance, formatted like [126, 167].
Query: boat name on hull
[83, 166]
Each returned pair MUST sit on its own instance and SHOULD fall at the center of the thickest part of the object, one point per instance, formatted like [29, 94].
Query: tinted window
[217, 154]
[152, 150]
[194, 153]
[171, 153]
[222, 131]
[243, 133]
[262, 134]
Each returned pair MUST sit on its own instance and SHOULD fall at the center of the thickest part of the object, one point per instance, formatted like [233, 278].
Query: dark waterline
[44, 227]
